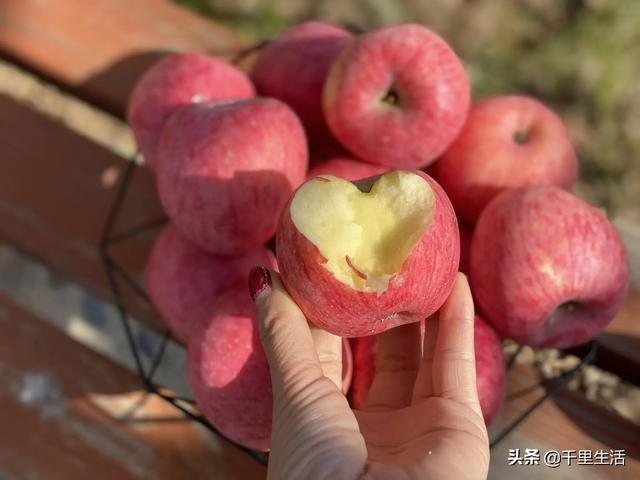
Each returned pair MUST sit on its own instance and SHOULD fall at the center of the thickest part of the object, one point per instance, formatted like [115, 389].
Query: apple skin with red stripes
[293, 68]
[175, 80]
[183, 280]
[546, 268]
[508, 141]
[226, 170]
[397, 96]
[418, 290]
[229, 373]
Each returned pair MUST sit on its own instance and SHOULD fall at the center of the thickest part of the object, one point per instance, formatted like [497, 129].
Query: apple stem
[391, 97]
[569, 306]
[520, 137]
[566, 307]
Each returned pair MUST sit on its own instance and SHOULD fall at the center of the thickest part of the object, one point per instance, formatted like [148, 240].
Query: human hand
[421, 420]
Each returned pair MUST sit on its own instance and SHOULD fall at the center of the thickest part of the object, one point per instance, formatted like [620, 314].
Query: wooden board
[98, 49]
[568, 421]
[68, 413]
[56, 189]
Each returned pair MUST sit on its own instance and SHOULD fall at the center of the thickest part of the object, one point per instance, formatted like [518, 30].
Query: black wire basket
[120, 279]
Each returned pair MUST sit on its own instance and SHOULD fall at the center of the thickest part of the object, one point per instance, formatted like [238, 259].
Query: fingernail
[259, 281]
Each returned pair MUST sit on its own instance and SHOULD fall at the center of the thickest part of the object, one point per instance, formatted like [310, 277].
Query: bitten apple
[229, 374]
[293, 68]
[360, 258]
[397, 96]
[226, 171]
[183, 280]
[547, 269]
[507, 142]
[178, 79]
[345, 167]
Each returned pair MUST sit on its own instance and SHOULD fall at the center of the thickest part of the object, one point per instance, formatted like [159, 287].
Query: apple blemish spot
[365, 237]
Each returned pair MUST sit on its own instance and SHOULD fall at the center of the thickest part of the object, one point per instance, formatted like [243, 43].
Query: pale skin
[422, 418]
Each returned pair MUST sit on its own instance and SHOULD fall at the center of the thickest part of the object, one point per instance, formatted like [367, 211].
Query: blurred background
[579, 56]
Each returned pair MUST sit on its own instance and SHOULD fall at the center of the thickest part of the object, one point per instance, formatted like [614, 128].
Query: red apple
[229, 374]
[360, 258]
[490, 369]
[293, 68]
[179, 79]
[547, 269]
[182, 279]
[507, 142]
[465, 247]
[345, 167]
[364, 351]
[491, 372]
[430, 170]
[226, 171]
[397, 96]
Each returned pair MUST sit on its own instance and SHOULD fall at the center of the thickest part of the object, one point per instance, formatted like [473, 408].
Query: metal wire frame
[118, 276]
[551, 387]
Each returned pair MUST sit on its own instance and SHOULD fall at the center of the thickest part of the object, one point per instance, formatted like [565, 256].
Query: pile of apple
[325, 145]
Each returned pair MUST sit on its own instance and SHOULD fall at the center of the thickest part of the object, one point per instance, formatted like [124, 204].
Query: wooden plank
[79, 423]
[98, 49]
[69, 413]
[56, 189]
[567, 421]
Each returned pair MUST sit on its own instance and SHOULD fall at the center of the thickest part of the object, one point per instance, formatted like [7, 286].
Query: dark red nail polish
[259, 281]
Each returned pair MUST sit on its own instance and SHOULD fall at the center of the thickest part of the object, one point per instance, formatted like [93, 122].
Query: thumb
[311, 417]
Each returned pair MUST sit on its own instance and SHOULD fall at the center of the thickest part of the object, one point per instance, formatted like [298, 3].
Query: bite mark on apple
[364, 229]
